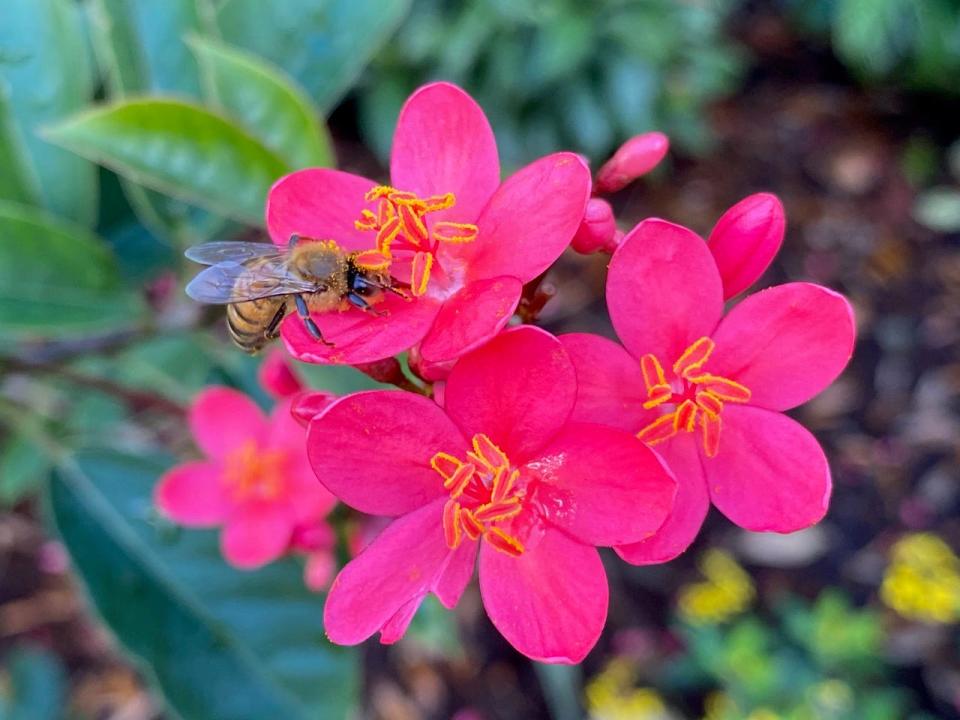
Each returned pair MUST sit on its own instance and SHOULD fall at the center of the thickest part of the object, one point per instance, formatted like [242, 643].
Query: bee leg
[308, 322]
[273, 329]
[292, 242]
[361, 303]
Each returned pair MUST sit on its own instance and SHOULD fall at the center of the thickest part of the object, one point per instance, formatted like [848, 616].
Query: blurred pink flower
[709, 391]
[463, 241]
[499, 470]
[255, 480]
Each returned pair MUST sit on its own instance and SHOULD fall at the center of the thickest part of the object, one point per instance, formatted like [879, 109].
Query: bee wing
[237, 251]
[231, 282]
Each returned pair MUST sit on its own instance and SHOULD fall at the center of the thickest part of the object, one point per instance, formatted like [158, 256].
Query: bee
[261, 283]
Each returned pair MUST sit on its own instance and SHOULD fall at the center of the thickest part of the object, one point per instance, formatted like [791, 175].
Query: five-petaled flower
[708, 391]
[500, 469]
[463, 242]
[255, 481]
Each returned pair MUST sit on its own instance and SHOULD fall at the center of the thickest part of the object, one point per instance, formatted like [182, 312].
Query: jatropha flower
[708, 391]
[463, 242]
[500, 470]
[255, 481]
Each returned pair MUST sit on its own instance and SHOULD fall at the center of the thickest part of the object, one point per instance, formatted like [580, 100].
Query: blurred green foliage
[32, 685]
[192, 109]
[814, 661]
[912, 42]
[561, 73]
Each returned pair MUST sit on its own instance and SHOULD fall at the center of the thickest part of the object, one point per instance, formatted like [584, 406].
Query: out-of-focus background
[848, 110]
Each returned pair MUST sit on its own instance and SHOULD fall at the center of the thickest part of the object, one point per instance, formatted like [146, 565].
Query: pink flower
[708, 391]
[464, 242]
[255, 480]
[500, 470]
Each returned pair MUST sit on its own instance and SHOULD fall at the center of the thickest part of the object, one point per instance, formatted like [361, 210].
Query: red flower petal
[443, 143]
[745, 240]
[193, 494]
[770, 474]
[519, 389]
[471, 317]
[786, 343]
[361, 337]
[682, 456]
[373, 450]
[221, 420]
[603, 486]
[405, 562]
[319, 203]
[610, 389]
[256, 533]
[529, 221]
[663, 290]
[550, 603]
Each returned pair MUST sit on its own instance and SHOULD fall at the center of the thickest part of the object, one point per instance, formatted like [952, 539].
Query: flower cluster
[255, 480]
[512, 450]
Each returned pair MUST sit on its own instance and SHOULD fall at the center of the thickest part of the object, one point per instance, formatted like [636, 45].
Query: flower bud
[637, 156]
[597, 231]
[745, 240]
[308, 405]
[277, 377]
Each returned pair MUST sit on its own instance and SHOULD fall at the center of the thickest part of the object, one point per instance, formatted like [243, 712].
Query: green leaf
[222, 644]
[23, 467]
[57, 278]
[324, 44]
[43, 59]
[266, 103]
[16, 181]
[161, 27]
[132, 67]
[38, 684]
[179, 149]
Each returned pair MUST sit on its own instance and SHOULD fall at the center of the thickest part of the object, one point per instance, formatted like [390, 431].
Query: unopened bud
[598, 229]
[307, 405]
[745, 240]
[637, 156]
[277, 377]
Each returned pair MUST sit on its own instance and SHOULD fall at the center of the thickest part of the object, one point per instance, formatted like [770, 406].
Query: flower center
[697, 397]
[484, 496]
[252, 473]
[400, 224]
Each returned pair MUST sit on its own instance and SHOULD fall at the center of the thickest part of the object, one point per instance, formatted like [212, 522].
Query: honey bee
[260, 283]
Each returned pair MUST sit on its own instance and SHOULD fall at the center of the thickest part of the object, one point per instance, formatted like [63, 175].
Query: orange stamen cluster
[250, 472]
[400, 224]
[699, 402]
[483, 493]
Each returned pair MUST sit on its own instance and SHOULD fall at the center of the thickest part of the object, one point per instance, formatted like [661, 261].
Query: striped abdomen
[254, 323]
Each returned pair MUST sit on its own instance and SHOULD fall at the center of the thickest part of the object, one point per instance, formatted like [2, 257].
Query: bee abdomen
[255, 323]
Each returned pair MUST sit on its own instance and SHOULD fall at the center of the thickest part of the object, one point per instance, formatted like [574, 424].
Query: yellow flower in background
[922, 581]
[611, 695]
[726, 591]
